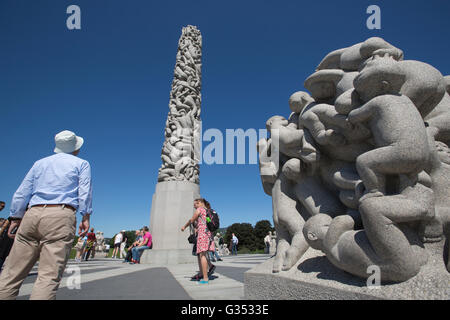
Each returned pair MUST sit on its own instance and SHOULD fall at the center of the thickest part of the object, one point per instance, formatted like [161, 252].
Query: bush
[251, 240]
[244, 250]
[259, 252]
[75, 240]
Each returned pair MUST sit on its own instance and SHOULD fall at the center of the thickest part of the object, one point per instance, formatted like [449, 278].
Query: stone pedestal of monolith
[172, 206]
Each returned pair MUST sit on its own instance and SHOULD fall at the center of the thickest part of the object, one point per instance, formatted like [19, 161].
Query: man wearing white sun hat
[44, 210]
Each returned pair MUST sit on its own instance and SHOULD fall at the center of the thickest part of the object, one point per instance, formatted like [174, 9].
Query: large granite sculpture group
[100, 245]
[364, 164]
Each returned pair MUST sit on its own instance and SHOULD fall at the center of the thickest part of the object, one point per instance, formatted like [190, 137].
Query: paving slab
[111, 279]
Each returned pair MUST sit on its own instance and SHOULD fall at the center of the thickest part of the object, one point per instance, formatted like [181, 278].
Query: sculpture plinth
[315, 278]
[178, 179]
[172, 206]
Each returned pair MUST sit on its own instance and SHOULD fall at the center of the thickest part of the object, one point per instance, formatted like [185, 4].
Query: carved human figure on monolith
[179, 148]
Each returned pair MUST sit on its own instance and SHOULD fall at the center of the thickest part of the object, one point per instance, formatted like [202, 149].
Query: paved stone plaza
[103, 279]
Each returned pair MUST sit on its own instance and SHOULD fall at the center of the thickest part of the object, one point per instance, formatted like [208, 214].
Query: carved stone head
[315, 230]
[276, 122]
[380, 76]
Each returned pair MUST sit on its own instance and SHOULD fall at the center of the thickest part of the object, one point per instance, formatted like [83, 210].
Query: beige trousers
[45, 234]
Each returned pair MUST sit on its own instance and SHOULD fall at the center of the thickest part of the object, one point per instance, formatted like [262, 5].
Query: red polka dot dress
[204, 238]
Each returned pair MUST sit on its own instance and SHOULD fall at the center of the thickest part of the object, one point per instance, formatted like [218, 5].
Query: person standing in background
[117, 241]
[107, 246]
[44, 210]
[234, 243]
[221, 244]
[267, 240]
[81, 244]
[90, 244]
[123, 244]
[5, 241]
[214, 256]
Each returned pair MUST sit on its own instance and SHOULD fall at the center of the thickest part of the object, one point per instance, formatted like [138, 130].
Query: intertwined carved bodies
[373, 120]
[178, 152]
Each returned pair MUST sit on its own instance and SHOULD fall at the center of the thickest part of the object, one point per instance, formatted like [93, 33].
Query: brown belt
[55, 205]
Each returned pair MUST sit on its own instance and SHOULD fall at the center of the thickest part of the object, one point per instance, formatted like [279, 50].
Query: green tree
[75, 240]
[131, 237]
[245, 233]
[111, 241]
[262, 228]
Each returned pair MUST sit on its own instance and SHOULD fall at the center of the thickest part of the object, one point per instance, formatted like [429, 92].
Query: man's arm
[85, 197]
[22, 196]
[85, 189]
[83, 228]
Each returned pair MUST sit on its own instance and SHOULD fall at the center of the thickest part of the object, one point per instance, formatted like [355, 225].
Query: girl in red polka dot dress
[205, 242]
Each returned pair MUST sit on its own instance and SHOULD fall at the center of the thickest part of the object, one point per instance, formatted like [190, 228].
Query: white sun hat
[67, 142]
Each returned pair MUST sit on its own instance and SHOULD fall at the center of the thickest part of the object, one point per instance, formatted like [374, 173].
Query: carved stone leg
[282, 247]
[288, 224]
[397, 247]
[367, 165]
[298, 244]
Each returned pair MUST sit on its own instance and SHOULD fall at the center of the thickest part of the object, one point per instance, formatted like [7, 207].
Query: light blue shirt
[58, 179]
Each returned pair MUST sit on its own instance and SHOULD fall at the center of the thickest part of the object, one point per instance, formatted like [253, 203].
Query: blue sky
[110, 82]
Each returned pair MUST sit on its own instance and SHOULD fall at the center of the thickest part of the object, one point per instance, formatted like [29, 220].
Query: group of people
[42, 224]
[86, 246]
[142, 242]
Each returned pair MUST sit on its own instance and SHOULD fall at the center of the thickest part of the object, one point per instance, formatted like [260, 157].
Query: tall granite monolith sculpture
[361, 190]
[178, 178]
